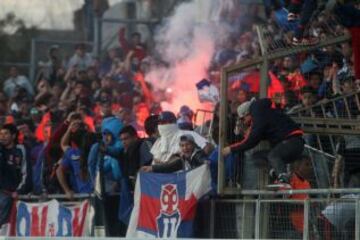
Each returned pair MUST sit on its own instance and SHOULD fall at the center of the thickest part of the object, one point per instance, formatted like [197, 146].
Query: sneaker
[272, 175]
[305, 41]
[292, 17]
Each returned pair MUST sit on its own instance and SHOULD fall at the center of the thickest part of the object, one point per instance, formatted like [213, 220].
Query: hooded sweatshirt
[111, 166]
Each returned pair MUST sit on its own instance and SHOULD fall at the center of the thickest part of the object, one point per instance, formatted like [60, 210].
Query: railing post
[33, 60]
[222, 131]
[257, 219]
[97, 36]
[357, 219]
[265, 64]
[306, 219]
[212, 218]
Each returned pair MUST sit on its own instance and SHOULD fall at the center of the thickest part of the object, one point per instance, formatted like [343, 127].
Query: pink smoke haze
[187, 43]
[185, 75]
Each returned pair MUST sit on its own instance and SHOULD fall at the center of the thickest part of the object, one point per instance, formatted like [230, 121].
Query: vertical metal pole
[33, 60]
[97, 36]
[257, 219]
[306, 219]
[222, 131]
[264, 82]
[357, 219]
[212, 218]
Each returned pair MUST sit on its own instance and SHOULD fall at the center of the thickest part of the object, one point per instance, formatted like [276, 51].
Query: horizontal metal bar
[243, 64]
[330, 131]
[318, 104]
[291, 192]
[21, 64]
[328, 121]
[55, 196]
[293, 50]
[124, 20]
[42, 40]
[284, 200]
[286, 52]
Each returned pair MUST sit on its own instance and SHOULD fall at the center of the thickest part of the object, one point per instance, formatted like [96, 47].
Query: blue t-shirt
[71, 162]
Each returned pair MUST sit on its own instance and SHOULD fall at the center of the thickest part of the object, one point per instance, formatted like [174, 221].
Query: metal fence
[107, 31]
[288, 218]
[40, 49]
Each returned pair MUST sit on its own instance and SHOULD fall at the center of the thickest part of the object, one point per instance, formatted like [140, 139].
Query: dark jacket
[267, 124]
[178, 162]
[14, 170]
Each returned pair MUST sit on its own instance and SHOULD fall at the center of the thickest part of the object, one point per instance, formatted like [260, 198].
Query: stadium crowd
[86, 116]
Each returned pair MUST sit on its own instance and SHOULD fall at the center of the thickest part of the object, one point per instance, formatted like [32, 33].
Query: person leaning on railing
[266, 123]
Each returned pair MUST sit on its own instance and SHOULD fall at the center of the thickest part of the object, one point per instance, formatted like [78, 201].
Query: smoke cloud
[186, 42]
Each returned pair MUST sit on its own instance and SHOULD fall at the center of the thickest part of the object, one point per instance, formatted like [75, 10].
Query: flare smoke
[186, 42]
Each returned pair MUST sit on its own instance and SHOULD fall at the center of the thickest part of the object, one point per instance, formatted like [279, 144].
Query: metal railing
[38, 45]
[261, 62]
[291, 218]
[331, 117]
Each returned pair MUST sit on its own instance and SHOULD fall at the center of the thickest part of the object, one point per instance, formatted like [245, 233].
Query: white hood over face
[167, 133]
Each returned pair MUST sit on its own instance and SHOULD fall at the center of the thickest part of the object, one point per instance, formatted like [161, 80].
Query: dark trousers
[348, 15]
[5, 207]
[307, 10]
[285, 152]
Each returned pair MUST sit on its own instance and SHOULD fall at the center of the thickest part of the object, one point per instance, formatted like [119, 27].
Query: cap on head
[167, 117]
[185, 110]
[244, 108]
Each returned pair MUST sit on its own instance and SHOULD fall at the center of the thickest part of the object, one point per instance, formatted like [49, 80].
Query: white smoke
[187, 42]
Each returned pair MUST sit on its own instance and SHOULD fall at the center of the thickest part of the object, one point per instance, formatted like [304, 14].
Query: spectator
[81, 60]
[348, 15]
[307, 9]
[190, 157]
[151, 129]
[139, 50]
[112, 58]
[76, 145]
[38, 162]
[127, 116]
[270, 124]
[294, 213]
[168, 143]
[109, 146]
[308, 99]
[16, 82]
[14, 164]
[136, 153]
[54, 63]
[185, 118]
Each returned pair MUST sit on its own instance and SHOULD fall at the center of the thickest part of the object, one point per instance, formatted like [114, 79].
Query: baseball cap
[244, 108]
[185, 110]
[167, 117]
